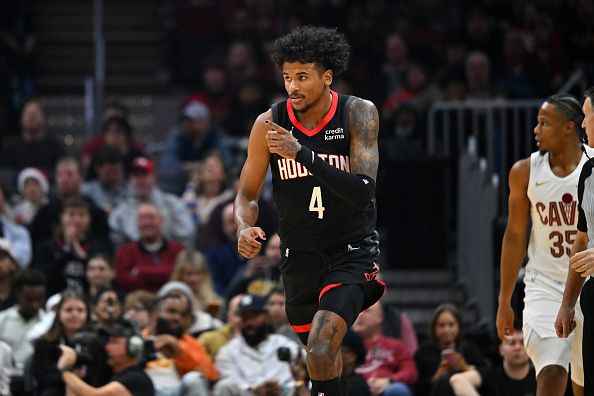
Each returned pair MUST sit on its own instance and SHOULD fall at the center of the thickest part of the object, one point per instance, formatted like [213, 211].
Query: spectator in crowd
[446, 364]
[389, 368]
[34, 147]
[148, 262]
[397, 63]
[201, 321]
[138, 306]
[195, 137]
[478, 76]
[107, 308]
[8, 270]
[100, 274]
[64, 259]
[116, 133]
[33, 190]
[191, 268]
[182, 366]
[418, 90]
[353, 355]
[397, 324]
[224, 259]
[124, 355]
[515, 376]
[278, 315]
[214, 92]
[46, 223]
[16, 234]
[260, 274]
[109, 188]
[249, 363]
[47, 318]
[208, 187]
[404, 139]
[73, 316]
[15, 322]
[247, 105]
[214, 340]
[177, 221]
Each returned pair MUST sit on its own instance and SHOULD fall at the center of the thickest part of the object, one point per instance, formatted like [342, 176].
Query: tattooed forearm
[364, 125]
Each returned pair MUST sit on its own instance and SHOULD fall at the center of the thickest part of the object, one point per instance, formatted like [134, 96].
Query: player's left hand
[280, 141]
[583, 262]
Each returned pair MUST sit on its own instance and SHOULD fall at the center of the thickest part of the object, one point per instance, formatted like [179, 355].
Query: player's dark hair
[311, 44]
[569, 107]
[589, 93]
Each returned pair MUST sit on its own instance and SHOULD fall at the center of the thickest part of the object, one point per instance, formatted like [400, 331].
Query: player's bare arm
[364, 126]
[565, 322]
[515, 239]
[251, 182]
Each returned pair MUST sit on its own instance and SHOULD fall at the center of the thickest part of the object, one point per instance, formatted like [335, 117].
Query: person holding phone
[446, 364]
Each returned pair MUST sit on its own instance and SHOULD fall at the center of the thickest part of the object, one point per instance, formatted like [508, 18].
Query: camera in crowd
[285, 354]
[88, 346]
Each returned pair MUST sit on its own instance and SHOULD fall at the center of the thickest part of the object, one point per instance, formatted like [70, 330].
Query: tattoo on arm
[364, 125]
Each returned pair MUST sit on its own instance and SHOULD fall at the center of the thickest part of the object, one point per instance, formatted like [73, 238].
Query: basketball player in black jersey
[322, 149]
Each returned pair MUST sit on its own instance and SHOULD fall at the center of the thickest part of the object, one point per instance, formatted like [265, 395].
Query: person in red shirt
[389, 367]
[147, 263]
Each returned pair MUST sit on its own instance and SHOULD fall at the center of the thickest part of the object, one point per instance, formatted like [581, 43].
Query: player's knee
[551, 372]
[320, 355]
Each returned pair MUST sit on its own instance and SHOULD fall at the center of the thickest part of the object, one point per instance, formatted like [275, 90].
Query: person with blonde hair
[191, 268]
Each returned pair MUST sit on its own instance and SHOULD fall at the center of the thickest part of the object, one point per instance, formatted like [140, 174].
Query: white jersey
[554, 214]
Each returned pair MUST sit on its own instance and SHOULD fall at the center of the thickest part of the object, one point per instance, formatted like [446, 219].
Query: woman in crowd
[107, 308]
[100, 274]
[73, 316]
[138, 307]
[446, 363]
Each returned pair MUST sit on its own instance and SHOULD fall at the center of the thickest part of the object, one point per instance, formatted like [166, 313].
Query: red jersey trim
[322, 124]
[326, 288]
[301, 328]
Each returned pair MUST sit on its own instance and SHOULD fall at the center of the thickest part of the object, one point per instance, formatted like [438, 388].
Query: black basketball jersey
[312, 216]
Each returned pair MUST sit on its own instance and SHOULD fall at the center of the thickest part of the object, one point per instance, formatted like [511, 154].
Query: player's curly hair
[312, 44]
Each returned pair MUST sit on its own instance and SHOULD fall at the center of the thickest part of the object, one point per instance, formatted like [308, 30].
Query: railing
[502, 130]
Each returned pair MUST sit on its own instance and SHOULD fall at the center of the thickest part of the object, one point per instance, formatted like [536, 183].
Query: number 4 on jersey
[315, 204]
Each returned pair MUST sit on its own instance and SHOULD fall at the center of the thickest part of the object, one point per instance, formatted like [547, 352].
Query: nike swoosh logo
[540, 183]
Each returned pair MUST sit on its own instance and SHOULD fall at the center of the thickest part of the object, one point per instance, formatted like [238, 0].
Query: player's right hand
[565, 322]
[504, 321]
[247, 244]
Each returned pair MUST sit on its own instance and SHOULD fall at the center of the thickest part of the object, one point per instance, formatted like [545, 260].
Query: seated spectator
[353, 354]
[214, 340]
[8, 270]
[389, 368]
[177, 220]
[188, 144]
[260, 274]
[224, 260]
[278, 315]
[124, 353]
[64, 259]
[446, 364]
[33, 189]
[109, 187]
[73, 316]
[208, 187]
[116, 133]
[146, 263]
[249, 363]
[100, 274]
[397, 324]
[46, 223]
[515, 376]
[201, 321]
[34, 146]
[16, 234]
[15, 322]
[191, 268]
[47, 318]
[138, 306]
[181, 365]
[107, 308]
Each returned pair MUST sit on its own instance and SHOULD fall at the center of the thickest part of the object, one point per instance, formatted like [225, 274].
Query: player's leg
[339, 307]
[576, 365]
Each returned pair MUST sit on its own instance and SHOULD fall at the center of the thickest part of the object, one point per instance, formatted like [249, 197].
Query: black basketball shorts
[308, 274]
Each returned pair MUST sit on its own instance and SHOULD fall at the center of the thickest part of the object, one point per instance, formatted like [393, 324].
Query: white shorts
[541, 305]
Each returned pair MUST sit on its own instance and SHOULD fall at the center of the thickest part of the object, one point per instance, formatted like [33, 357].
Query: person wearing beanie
[33, 188]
